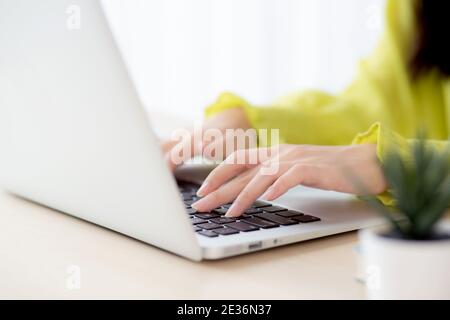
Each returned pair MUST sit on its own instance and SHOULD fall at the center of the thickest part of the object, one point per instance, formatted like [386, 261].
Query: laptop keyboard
[261, 215]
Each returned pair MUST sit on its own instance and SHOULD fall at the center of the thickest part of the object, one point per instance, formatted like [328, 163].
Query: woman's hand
[323, 167]
[186, 146]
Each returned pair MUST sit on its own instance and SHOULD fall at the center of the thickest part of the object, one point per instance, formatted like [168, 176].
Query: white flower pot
[403, 269]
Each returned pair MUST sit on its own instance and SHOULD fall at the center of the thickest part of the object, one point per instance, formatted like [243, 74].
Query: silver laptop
[75, 137]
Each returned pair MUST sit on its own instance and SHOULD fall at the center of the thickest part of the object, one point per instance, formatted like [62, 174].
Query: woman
[402, 86]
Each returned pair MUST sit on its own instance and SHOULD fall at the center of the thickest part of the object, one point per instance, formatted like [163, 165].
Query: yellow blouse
[383, 104]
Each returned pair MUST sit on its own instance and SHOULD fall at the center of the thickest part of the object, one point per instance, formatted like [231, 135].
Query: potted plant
[409, 257]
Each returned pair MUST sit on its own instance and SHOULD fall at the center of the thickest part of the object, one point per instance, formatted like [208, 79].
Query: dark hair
[432, 51]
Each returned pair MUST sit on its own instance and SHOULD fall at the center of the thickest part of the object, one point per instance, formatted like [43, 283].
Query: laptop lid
[74, 134]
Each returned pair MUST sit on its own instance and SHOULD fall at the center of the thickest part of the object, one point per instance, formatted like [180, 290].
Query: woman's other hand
[187, 145]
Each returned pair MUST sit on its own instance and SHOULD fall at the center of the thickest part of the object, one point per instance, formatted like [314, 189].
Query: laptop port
[255, 245]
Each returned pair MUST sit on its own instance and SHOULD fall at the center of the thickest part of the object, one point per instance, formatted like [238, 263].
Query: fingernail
[195, 205]
[268, 195]
[202, 189]
[201, 205]
[231, 211]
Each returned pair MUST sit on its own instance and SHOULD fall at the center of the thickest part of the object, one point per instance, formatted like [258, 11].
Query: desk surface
[38, 245]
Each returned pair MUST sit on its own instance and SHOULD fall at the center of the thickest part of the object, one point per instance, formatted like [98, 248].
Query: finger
[259, 183]
[220, 148]
[223, 195]
[181, 152]
[233, 165]
[304, 174]
[167, 145]
[214, 150]
[170, 159]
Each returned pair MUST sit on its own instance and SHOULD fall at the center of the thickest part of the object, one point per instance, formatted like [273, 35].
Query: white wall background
[182, 53]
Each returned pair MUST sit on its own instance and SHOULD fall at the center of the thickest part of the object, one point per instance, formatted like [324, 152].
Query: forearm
[310, 118]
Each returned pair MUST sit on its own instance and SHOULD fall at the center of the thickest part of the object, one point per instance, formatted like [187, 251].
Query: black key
[191, 210]
[244, 216]
[208, 233]
[260, 204]
[276, 219]
[189, 202]
[226, 206]
[223, 220]
[196, 220]
[209, 226]
[253, 211]
[186, 196]
[242, 226]
[225, 231]
[197, 228]
[306, 219]
[206, 215]
[274, 209]
[289, 213]
[220, 210]
[261, 223]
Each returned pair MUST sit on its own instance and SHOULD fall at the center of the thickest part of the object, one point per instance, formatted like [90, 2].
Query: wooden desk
[37, 245]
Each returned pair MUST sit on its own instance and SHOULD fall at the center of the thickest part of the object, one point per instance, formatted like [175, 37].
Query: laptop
[74, 136]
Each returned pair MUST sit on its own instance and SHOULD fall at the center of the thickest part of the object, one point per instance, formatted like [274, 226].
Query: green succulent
[420, 185]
